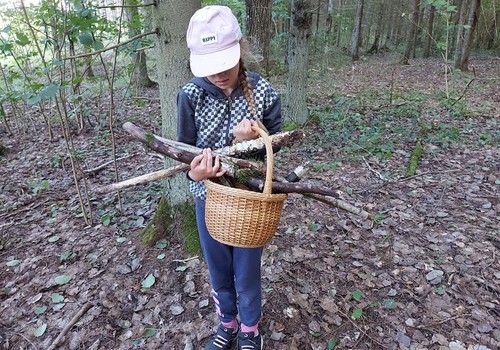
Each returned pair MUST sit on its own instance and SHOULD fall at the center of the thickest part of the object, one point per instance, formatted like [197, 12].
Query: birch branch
[154, 176]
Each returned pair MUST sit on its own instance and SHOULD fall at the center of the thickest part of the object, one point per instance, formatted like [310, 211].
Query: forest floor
[423, 275]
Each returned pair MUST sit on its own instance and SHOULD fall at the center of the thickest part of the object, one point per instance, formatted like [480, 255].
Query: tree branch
[154, 176]
[111, 47]
[126, 6]
[234, 169]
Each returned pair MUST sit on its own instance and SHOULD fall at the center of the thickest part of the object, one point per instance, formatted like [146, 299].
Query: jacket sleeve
[272, 119]
[186, 126]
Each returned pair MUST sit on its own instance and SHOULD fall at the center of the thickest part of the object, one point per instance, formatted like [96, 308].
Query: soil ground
[424, 275]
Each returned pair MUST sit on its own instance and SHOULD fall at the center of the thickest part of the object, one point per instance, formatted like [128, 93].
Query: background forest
[398, 102]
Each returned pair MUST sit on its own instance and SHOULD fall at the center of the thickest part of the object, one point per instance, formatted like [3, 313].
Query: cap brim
[216, 62]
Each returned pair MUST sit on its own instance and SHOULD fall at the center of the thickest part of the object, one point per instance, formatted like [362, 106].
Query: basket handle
[268, 184]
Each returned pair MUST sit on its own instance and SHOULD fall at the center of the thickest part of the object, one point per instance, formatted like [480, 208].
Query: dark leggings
[234, 275]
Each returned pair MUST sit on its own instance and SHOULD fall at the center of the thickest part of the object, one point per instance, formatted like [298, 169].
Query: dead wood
[71, 323]
[185, 153]
[236, 168]
[308, 190]
[154, 176]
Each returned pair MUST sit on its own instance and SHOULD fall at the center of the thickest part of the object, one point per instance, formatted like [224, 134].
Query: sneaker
[223, 339]
[249, 341]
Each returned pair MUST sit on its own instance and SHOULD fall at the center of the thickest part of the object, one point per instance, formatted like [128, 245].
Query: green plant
[38, 186]
[378, 218]
[321, 167]
[487, 138]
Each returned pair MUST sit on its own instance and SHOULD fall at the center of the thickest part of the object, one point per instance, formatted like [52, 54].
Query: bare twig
[71, 323]
[334, 202]
[463, 92]
[126, 6]
[110, 47]
[374, 171]
[102, 166]
[185, 260]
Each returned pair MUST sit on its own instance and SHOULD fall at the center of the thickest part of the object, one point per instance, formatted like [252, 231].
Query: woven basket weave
[242, 218]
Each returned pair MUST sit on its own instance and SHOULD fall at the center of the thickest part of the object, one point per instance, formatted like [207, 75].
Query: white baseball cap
[213, 37]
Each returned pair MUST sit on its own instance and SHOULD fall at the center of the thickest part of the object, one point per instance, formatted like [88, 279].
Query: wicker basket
[243, 218]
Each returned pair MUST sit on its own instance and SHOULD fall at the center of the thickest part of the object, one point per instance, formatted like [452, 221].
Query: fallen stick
[95, 170]
[334, 202]
[71, 323]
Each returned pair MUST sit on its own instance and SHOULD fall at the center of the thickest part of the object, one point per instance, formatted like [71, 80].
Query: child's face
[227, 80]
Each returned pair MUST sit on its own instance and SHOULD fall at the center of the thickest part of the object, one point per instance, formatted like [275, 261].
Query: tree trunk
[259, 15]
[356, 34]
[462, 57]
[378, 29]
[172, 19]
[457, 28]
[411, 36]
[318, 15]
[492, 34]
[329, 19]
[418, 31]
[140, 77]
[428, 37]
[295, 107]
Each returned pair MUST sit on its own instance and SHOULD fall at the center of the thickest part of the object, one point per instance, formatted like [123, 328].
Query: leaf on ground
[63, 279]
[57, 298]
[148, 281]
[12, 263]
[40, 330]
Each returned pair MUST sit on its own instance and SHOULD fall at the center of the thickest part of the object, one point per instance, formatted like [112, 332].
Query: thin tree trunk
[356, 34]
[429, 34]
[411, 36]
[140, 77]
[329, 19]
[457, 29]
[418, 31]
[462, 58]
[378, 30]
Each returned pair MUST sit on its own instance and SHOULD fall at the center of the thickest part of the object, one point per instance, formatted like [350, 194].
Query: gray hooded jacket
[206, 117]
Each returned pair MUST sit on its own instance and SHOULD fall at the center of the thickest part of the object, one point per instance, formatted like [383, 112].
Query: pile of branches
[241, 170]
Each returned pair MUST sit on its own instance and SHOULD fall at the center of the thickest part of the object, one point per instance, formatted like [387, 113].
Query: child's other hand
[243, 131]
[204, 166]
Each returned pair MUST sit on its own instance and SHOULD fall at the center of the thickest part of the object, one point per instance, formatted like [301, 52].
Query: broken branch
[154, 176]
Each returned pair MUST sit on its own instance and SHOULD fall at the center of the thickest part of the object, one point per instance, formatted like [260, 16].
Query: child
[220, 105]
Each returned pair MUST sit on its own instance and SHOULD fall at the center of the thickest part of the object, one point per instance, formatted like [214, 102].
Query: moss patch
[3, 150]
[189, 230]
[160, 227]
[414, 159]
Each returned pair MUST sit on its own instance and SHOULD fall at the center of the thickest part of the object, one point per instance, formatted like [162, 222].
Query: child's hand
[243, 131]
[203, 166]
